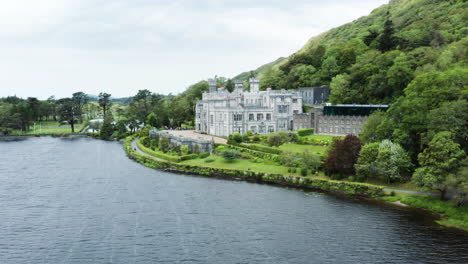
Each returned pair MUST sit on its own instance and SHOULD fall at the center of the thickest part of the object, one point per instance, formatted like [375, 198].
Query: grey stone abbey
[222, 113]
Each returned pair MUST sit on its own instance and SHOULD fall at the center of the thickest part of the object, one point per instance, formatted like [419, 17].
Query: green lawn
[49, 127]
[322, 137]
[296, 148]
[238, 164]
[242, 164]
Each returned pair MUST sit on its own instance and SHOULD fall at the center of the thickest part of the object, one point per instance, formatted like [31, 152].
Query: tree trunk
[72, 126]
[442, 193]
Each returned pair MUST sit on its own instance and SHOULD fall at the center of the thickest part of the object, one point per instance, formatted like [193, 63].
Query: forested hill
[372, 59]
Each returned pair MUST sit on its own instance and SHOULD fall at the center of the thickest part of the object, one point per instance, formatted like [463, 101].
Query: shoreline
[343, 189]
[26, 136]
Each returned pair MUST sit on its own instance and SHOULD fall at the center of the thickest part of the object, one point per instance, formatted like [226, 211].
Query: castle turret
[212, 83]
[239, 85]
[254, 85]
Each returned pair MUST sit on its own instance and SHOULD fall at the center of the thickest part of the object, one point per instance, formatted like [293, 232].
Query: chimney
[212, 83]
[239, 85]
[254, 85]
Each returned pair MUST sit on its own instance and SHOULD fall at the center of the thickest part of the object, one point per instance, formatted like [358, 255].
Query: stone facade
[314, 95]
[337, 119]
[222, 113]
[203, 144]
[303, 121]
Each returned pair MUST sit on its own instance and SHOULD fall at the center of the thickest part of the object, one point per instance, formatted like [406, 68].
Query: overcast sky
[57, 47]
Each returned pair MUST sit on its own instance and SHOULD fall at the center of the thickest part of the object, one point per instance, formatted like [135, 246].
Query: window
[253, 129]
[237, 117]
[271, 129]
[296, 111]
[268, 117]
[251, 117]
[211, 119]
[261, 129]
[283, 109]
[294, 100]
[259, 117]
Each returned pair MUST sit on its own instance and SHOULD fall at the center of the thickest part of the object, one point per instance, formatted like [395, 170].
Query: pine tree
[387, 39]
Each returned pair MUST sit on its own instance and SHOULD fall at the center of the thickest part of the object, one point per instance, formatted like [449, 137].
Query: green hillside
[372, 59]
[246, 75]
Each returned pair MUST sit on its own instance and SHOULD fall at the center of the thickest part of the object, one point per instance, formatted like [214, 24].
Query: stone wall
[303, 121]
[203, 144]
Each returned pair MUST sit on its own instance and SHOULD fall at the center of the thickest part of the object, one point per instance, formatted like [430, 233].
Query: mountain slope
[372, 59]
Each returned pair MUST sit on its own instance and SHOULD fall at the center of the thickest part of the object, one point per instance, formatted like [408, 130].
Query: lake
[83, 201]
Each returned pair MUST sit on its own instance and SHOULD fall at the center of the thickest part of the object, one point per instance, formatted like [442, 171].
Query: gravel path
[410, 192]
[135, 147]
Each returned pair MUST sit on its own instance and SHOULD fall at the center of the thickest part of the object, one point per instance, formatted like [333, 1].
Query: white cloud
[61, 46]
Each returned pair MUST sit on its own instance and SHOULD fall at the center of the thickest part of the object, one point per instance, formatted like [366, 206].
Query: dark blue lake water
[84, 201]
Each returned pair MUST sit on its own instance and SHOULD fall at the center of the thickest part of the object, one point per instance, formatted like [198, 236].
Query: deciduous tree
[440, 159]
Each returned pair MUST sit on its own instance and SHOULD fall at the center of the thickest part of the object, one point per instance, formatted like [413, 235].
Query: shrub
[143, 132]
[189, 157]
[255, 138]
[208, 160]
[236, 137]
[246, 136]
[145, 141]
[154, 144]
[257, 160]
[164, 144]
[287, 158]
[304, 172]
[204, 155]
[196, 149]
[92, 134]
[305, 132]
[230, 155]
[184, 150]
[293, 170]
[107, 128]
[156, 140]
[278, 139]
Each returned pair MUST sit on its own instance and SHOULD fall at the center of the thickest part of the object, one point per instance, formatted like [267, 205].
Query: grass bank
[452, 216]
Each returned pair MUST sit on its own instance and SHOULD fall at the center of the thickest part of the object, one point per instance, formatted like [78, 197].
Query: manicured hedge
[255, 153]
[204, 155]
[262, 148]
[305, 132]
[189, 157]
[163, 155]
[158, 154]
